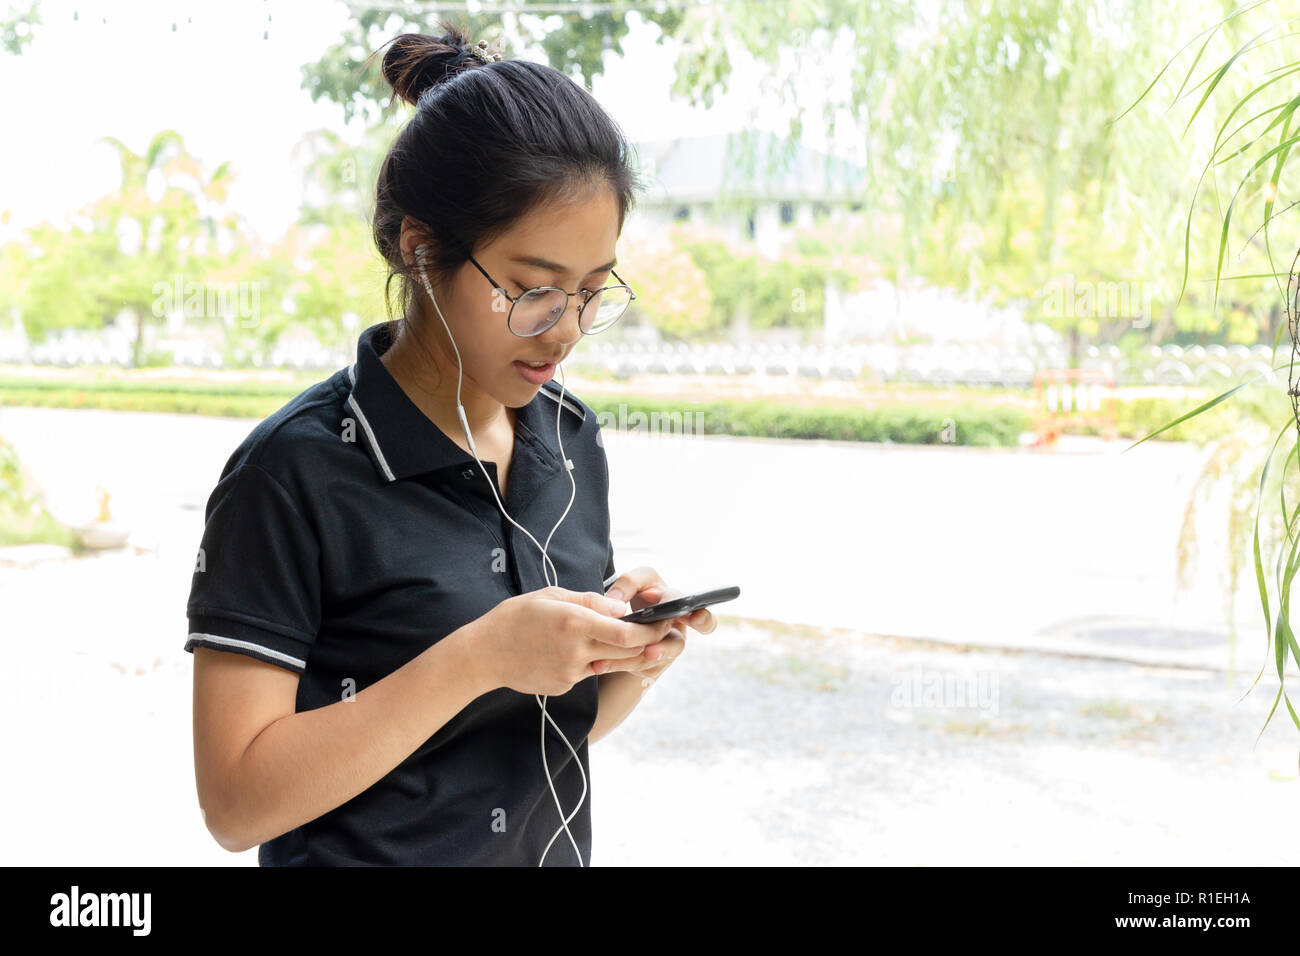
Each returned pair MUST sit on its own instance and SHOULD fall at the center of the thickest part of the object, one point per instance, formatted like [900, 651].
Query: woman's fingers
[652, 657]
[641, 587]
[702, 620]
[670, 645]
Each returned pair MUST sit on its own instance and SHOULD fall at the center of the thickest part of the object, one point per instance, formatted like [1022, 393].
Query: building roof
[749, 164]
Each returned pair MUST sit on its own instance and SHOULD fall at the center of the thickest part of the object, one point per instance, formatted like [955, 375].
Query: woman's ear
[414, 251]
[419, 256]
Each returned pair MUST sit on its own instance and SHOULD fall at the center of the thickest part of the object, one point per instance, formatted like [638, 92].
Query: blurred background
[912, 279]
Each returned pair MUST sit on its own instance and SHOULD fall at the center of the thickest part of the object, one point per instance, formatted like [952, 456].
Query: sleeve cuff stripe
[247, 645]
[611, 579]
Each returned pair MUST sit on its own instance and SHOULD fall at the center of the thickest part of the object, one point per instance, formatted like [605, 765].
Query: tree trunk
[137, 347]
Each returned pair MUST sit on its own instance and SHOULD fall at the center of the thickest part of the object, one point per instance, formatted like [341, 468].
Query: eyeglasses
[539, 308]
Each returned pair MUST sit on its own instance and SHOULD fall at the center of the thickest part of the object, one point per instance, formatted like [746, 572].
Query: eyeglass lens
[537, 311]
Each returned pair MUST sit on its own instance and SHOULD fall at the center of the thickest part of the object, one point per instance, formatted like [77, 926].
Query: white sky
[234, 96]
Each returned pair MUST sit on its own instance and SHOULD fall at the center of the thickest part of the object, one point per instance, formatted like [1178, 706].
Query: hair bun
[415, 61]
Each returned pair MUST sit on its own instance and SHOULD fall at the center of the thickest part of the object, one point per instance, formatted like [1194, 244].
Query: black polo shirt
[345, 536]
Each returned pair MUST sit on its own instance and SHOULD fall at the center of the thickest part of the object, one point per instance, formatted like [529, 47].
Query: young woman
[387, 667]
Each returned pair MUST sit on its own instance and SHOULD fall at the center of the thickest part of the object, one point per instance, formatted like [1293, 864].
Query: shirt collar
[402, 441]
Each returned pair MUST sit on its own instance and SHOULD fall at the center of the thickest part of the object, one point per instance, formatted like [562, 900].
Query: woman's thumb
[608, 605]
[593, 601]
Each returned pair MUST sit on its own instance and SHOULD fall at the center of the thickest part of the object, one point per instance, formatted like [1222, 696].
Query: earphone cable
[546, 561]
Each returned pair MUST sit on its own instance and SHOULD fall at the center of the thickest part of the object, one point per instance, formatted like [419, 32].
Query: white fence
[933, 364]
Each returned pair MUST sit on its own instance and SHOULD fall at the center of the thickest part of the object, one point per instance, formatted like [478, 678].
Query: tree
[174, 213]
[167, 218]
[346, 74]
[17, 26]
[1256, 150]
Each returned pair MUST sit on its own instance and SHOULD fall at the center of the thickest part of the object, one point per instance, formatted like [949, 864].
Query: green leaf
[1196, 411]
[1280, 650]
[1218, 148]
[1208, 33]
[1287, 109]
[1259, 564]
[1284, 581]
[1270, 716]
[1227, 216]
[1295, 649]
[1219, 144]
[1281, 486]
[1295, 719]
[1258, 275]
[1218, 75]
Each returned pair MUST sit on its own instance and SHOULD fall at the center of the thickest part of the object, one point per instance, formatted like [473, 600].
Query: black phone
[681, 606]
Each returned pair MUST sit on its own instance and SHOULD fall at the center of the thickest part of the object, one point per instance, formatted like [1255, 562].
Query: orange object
[1072, 398]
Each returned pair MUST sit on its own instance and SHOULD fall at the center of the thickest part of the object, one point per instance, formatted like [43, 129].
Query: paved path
[1071, 551]
[788, 749]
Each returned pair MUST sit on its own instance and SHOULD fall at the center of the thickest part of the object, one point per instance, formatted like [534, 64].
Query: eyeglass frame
[589, 293]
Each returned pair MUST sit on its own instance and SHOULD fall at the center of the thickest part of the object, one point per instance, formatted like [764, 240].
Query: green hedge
[234, 400]
[1140, 417]
[963, 424]
[934, 423]
[118, 386]
[923, 423]
[142, 400]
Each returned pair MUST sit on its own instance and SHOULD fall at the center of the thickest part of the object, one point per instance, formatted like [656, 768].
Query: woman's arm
[260, 775]
[621, 690]
[618, 694]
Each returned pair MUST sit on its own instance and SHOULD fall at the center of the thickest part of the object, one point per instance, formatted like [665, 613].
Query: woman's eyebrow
[556, 267]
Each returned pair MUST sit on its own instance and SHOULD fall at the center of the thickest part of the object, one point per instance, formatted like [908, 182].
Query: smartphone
[679, 607]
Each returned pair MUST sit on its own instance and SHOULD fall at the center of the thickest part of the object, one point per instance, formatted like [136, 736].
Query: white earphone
[546, 560]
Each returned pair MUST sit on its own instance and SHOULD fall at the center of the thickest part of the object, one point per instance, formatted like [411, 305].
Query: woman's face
[577, 240]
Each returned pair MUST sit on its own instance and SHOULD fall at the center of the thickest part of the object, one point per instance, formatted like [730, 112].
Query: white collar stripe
[379, 455]
[567, 402]
[361, 416]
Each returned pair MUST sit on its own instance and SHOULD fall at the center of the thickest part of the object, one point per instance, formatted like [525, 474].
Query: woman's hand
[642, 587]
[545, 641]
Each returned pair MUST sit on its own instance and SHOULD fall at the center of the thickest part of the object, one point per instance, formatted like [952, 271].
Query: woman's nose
[567, 329]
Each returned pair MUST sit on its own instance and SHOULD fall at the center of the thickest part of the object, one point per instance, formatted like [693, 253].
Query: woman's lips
[536, 376]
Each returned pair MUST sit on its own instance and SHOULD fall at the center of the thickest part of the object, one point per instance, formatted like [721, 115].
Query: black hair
[491, 140]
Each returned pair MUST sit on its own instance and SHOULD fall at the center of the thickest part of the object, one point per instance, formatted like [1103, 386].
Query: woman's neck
[428, 377]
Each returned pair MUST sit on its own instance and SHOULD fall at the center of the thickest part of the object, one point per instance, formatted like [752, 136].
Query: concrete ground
[940, 655]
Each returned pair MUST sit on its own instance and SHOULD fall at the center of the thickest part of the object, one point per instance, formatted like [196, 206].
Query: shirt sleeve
[610, 573]
[257, 580]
